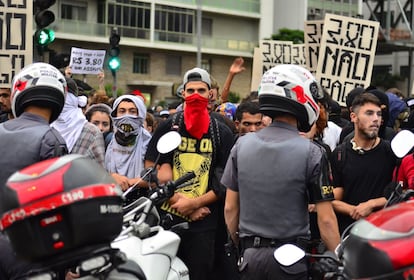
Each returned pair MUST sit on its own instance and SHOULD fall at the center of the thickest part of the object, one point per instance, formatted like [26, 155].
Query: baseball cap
[197, 74]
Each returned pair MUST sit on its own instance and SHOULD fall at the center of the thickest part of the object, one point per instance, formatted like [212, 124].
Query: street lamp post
[199, 14]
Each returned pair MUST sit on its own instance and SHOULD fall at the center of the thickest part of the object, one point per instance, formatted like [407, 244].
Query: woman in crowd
[100, 115]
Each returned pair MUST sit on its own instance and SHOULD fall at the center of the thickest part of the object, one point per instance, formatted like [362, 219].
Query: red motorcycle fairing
[382, 243]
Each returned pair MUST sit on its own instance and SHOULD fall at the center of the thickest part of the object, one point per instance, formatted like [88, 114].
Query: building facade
[160, 40]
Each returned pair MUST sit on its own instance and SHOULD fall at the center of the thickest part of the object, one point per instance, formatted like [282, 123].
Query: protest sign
[256, 69]
[275, 52]
[312, 37]
[270, 54]
[16, 40]
[298, 55]
[83, 61]
[346, 55]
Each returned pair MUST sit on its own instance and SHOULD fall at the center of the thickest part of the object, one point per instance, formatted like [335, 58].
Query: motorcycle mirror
[288, 254]
[402, 143]
[168, 142]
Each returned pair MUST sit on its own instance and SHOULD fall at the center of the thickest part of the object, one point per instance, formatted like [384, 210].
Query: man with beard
[124, 157]
[206, 143]
[5, 105]
[362, 167]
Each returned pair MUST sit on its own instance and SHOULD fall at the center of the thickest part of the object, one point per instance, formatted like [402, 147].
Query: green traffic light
[114, 63]
[44, 36]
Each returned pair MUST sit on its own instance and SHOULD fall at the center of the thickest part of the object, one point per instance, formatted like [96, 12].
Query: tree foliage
[386, 80]
[286, 34]
[234, 97]
[109, 91]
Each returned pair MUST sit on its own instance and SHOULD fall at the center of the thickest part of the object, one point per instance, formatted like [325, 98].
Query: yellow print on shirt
[187, 160]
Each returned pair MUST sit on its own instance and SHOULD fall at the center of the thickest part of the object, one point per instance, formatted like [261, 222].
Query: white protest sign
[83, 61]
[298, 55]
[312, 33]
[269, 54]
[16, 40]
[275, 52]
[346, 55]
[256, 69]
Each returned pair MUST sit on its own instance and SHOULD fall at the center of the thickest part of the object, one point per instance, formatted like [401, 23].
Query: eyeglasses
[4, 95]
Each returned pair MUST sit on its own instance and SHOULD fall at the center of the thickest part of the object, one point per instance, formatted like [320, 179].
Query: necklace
[361, 150]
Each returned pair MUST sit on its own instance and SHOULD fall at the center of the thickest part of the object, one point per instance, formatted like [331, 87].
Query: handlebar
[183, 179]
[138, 213]
[162, 193]
[399, 195]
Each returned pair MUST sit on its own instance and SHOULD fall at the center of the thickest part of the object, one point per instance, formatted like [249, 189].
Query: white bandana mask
[128, 124]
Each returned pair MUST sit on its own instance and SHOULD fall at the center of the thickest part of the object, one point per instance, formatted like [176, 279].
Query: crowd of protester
[352, 145]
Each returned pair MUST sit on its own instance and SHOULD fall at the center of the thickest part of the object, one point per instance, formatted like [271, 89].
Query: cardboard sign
[271, 54]
[313, 34]
[83, 61]
[16, 39]
[298, 55]
[346, 55]
[256, 69]
[275, 52]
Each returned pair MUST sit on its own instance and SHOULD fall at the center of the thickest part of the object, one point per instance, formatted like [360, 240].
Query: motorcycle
[143, 239]
[380, 246]
[143, 250]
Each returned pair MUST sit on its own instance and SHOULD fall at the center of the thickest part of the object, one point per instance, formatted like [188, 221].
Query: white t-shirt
[331, 135]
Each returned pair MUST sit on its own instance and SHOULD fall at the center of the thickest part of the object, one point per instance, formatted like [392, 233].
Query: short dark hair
[364, 98]
[248, 106]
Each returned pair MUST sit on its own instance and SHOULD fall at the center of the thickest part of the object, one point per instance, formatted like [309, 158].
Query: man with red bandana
[204, 149]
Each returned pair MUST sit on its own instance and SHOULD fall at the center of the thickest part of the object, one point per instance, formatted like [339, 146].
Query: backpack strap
[341, 156]
[60, 148]
[177, 120]
[215, 136]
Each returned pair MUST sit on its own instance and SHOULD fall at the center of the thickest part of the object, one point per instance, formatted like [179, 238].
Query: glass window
[129, 14]
[173, 65]
[75, 10]
[141, 63]
[173, 19]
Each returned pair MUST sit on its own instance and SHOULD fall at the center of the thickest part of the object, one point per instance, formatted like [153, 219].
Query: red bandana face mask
[196, 117]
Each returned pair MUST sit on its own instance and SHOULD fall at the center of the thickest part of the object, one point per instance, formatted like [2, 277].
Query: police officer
[272, 175]
[37, 98]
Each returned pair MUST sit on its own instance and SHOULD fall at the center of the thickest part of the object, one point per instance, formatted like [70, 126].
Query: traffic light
[44, 37]
[114, 63]
[43, 17]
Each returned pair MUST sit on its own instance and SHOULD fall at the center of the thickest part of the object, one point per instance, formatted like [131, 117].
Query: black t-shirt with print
[198, 156]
